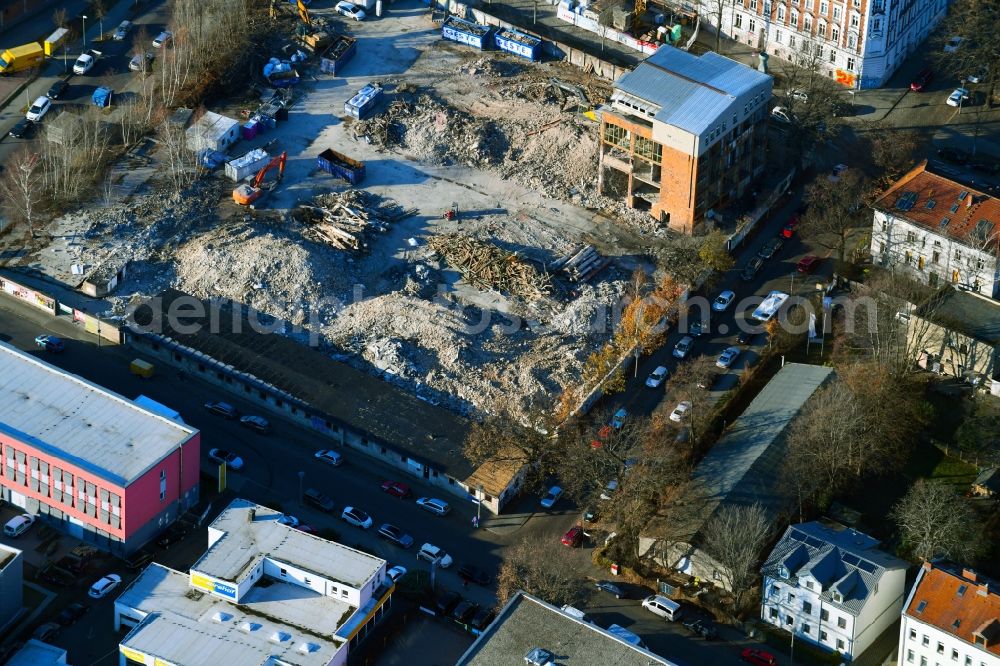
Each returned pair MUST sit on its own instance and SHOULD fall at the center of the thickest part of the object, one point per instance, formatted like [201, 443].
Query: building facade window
[833, 56]
[836, 13]
[616, 136]
[841, 623]
[781, 12]
[753, 25]
[739, 21]
[855, 20]
[807, 23]
[824, 8]
[835, 34]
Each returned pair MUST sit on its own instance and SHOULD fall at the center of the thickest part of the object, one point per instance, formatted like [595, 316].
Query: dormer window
[921, 606]
[838, 597]
[784, 572]
[809, 585]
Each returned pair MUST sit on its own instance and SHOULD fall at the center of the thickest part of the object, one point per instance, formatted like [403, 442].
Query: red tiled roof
[977, 609]
[945, 193]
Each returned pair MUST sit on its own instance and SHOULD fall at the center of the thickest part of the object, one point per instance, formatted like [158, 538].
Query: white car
[329, 457]
[231, 460]
[83, 64]
[958, 97]
[953, 44]
[798, 95]
[396, 573]
[350, 11]
[121, 30]
[781, 115]
[101, 588]
[665, 608]
[680, 411]
[609, 490]
[38, 110]
[656, 377]
[433, 554]
[18, 525]
[436, 506]
[727, 357]
[682, 348]
[162, 39]
[289, 520]
[979, 76]
[723, 300]
[356, 517]
[555, 492]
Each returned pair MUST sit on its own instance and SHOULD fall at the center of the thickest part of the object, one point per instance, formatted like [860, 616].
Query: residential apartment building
[262, 593]
[831, 586]
[684, 136]
[939, 231]
[11, 585]
[858, 43]
[951, 618]
[88, 461]
[957, 333]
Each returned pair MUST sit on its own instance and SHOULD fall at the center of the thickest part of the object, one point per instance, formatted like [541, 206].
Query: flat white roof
[80, 422]
[184, 625]
[37, 653]
[252, 533]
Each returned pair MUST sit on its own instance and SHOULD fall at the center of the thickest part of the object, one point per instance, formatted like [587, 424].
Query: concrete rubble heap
[488, 267]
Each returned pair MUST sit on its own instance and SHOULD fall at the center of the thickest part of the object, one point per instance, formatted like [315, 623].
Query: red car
[789, 230]
[573, 537]
[602, 435]
[758, 657]
[923, 80]
[808, 264]
[396, 488]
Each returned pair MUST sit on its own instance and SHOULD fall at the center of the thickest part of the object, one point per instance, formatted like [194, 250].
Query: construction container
[466, 32]
[248, 164]
[142, 368]
[250, 129]
[341, 50]
[102, 97]
[55, 40]
[364, 101]
[518, 43]
[342, 166]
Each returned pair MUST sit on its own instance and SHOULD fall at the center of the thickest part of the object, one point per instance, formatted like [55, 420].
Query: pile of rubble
[344, 219]
[491, 268]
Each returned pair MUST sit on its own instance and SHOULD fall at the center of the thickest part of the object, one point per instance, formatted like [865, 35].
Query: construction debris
[486, 266]
[582, 264]
[344, 219]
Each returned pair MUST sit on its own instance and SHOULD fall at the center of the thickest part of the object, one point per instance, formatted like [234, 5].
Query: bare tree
[504, 442]
[835, 210]
[21, 188]
[717, 10]
[734, 537]
[537, 566]
[713, 251]
[979, 53]
[934, 522]
[887, 153]
[690, 382]
[60, 18]
[180, 162]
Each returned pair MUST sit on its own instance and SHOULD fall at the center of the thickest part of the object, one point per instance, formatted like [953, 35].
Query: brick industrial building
[88, 461]
[684, 136]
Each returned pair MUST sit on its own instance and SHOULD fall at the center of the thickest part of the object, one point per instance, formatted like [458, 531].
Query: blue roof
[691, 91]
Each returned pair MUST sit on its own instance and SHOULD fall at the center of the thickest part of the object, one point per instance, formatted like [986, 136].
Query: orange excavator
[246, 194]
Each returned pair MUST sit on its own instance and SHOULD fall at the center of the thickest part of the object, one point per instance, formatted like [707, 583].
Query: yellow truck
[54, 41]
[21, 58]
[142, 368]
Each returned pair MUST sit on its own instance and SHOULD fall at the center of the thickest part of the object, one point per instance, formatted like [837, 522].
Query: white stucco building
[860, 42]
[940, 231]
[832, 587]
[951, 617]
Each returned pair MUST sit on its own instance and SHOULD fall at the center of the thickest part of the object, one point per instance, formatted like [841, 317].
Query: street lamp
[85, 30]
[961, 97]
[479, 504]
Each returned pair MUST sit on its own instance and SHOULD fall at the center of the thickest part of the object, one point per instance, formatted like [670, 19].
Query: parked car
[396, 573]
[256, 423]
[668, 609]
[231, 460]
[958, 97]
[782, 115]
[680, 411]
[573, 537]
[683, 346]
[482, 619]
[395, 535]
[749, 271]
[433, 554]
[18, 525]
[84, 64]
[922, 80]
[978, 76]
[46, 631]
[50, 343]
[708, 381]
[163, 39]
[121, 30]
[57, 89]
[330, 457]
[727, 357]
[171, 535]
[318, 500]
[836, 172]
[618, 418]
[551, 497]
[703, 628]
[758, 657]
[71, 614]
[472, 573]
[446, 601]
[396, 489]
[808, 263]
[723, 300]
[954, 156]
[139, 560]
[350, 11]
[609, 490]
[953, 44]
[464, 611]
[288, 519]
[104, 586]
[798, 95]
[434, 505]
[56, 576]
[789, 229]
[744, 338]
[141, 62]
[656, 377]
[357, 517]
[223, 409]
[770, 248]
[23, 129]
[611, 588]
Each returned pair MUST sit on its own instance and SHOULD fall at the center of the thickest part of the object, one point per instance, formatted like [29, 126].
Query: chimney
[968, 201]
[969, 575]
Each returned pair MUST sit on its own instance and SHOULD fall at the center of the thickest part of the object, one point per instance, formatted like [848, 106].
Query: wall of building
[783, 606]
[11, 585]
[921, 643]
[882, 610]
[172, 482]
[949, 352]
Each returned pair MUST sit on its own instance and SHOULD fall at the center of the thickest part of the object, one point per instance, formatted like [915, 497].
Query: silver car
[122, 30]
[436, 506]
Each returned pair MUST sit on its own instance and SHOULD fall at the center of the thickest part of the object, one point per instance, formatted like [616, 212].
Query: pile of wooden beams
[344, 219]
[489, 267]
[581, 264]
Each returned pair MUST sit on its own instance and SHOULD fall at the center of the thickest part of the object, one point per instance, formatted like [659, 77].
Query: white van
[18, 525]
[666, 608]
[575, 613]
[621, 632]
